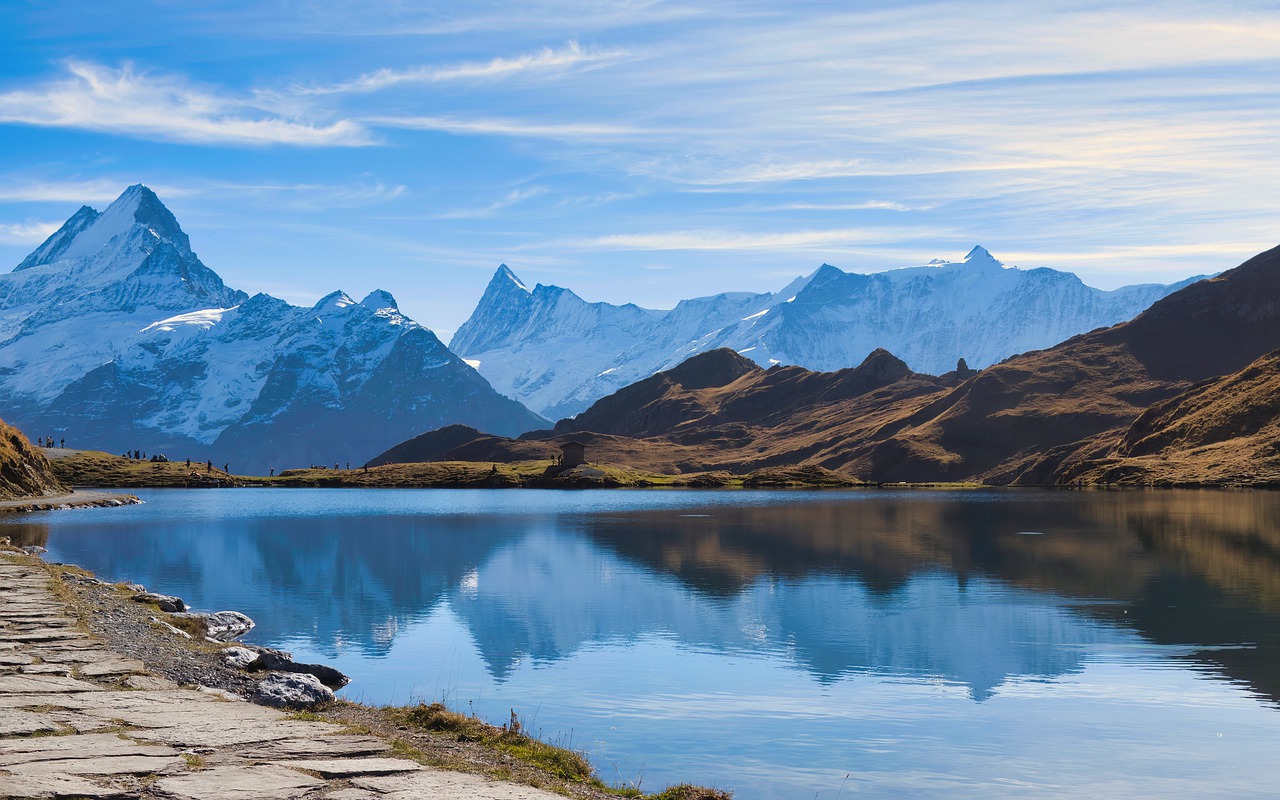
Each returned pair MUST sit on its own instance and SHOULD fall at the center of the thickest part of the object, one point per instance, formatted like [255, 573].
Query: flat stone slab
[105, 765]
[261, 782]
[11, 659]
[25, 723]
[59, 748]
[152, 683]
[431, 783]
[70, 655]
[40, 635]
[46, 669]
[214, 735]
[349, 767]
[320, 747]
[57, 786]
[31, 684]
[112, 666]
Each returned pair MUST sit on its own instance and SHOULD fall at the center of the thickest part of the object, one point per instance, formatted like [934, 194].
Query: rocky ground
[105, 696]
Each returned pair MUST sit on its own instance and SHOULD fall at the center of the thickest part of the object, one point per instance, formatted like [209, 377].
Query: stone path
[77, 720]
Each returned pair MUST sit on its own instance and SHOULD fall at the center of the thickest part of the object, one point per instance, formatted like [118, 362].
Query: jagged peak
[979, 256]
[379, 299]
[505, 277]
[57, 243]
[335, 299]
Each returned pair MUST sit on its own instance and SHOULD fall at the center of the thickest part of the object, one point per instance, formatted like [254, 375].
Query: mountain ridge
[117, 334]
[1092, 408]
[558, 353]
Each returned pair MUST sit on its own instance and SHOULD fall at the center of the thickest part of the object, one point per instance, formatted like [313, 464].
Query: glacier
[115, 336]
[558, 354]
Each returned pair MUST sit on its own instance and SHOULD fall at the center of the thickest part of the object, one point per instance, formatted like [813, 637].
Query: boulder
[239, 657]
[34, 550]
[221, 626]
[292, 690]
[166, 602]
[327, 675]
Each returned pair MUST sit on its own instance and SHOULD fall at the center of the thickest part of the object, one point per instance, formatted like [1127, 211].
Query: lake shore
[98, 469]
[121, 662]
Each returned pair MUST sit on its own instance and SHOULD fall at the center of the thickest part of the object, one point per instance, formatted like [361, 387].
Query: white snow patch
[474, 363]
[607, 371]
[760, 314]
[205, 319]
[774, 361]
[748, 350]
[791, 299]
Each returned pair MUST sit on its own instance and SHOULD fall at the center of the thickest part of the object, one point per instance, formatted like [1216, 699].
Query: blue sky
[648, 151]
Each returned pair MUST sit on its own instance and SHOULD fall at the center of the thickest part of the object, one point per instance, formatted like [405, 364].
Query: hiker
[40, 442]
[188, 462]
[226, 468]
[209, 465]
[273, 473]
[62, 443]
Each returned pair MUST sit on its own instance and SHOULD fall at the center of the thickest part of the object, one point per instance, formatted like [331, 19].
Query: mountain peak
[379, 299]
[333, 300]
[504, 277]
[57, 244]
[979, 257]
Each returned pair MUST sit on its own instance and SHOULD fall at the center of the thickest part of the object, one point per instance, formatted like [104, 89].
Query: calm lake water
[780, 644]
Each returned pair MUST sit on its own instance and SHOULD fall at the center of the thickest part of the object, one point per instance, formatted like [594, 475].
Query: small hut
[573, 453]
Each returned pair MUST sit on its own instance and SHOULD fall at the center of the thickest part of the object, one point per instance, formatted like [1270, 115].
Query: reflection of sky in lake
[774, 645]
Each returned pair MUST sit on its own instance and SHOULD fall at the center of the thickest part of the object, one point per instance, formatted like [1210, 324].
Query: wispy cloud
[514, 197]
[738, 241]
[544, 61]
[165, 107]
[505, 127]
[27, 232]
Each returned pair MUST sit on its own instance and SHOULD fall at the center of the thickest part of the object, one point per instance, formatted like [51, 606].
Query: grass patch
[511, 739]
[306, 716]
[194, 761]
[687, 791]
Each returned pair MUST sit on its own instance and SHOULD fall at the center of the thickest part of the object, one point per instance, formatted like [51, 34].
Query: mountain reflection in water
[980, 589]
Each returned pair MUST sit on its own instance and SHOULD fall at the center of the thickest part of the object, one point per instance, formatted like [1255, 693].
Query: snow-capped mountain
[558, 354]
[114, 334]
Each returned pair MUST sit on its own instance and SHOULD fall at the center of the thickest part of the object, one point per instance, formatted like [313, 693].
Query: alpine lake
[781, 644]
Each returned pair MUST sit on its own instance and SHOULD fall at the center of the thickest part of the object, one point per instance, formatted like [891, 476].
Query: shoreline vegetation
[90, 468]
[429, 733]
[99, 469]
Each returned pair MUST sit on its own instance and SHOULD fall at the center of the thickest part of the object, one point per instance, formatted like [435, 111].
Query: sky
[647, 151]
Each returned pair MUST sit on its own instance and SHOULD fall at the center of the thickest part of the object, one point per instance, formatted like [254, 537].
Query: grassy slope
[92, 468]
[24, 471]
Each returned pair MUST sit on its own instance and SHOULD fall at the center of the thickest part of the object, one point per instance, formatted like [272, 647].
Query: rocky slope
[558, 354]
[115, 335]
[24, 471]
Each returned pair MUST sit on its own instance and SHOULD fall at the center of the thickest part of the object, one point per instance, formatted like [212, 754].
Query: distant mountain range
[558, 354]
[115, 335]
[1184, 393]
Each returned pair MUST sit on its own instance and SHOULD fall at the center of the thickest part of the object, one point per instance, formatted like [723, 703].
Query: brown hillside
[1018, 421]
[1224, 430]
[429, 446]
[24, 471]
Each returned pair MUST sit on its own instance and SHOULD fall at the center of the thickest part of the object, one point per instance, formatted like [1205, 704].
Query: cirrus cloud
[152, 106]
